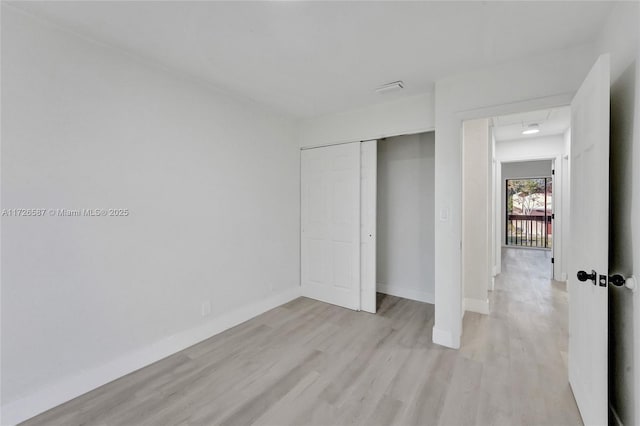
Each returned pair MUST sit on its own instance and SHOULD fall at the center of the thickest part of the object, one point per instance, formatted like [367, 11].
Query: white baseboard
[399, 291]
[445, 338]
[71, 387]
[477, 305]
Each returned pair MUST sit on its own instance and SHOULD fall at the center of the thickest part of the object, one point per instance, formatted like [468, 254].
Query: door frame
[452, 338]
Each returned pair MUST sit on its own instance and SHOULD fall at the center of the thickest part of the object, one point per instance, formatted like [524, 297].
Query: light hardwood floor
[309, 363]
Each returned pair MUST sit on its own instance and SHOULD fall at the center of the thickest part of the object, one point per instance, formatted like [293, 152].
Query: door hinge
[553, 216]
[553, 172]
[553, 260]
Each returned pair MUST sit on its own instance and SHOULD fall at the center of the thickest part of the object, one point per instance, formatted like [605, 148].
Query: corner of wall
[445, 338]
[479, 306]
[406, 293]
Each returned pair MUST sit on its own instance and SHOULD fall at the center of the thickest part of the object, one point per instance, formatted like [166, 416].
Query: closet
[405, 217]
[367, 210]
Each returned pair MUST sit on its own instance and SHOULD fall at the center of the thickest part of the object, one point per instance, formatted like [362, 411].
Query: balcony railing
[529, 231]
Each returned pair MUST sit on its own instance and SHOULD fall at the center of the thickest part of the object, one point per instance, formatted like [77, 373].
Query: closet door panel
[368, 201]
[330, 219]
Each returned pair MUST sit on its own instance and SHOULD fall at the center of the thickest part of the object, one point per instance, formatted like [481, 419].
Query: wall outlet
[206, 308]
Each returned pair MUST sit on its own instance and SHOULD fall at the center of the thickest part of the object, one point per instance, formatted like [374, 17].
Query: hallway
[522, 345]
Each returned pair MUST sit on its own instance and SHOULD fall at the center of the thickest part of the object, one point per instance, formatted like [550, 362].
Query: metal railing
[529, 231]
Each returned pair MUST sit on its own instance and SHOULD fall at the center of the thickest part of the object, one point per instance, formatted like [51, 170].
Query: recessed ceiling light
[389, 87]
[531, 129]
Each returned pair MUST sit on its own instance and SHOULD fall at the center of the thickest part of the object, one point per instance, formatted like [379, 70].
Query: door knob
[583, 276]
[617, 280]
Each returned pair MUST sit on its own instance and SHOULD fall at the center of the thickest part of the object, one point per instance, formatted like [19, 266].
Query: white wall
[212, 187]
[522, 150]
[408, 115]
[524, 169]
[620, 37]
[476, 230]
[405, 249]
[525, 85]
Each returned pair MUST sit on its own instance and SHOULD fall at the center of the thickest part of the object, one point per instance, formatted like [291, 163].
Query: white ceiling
[312, 58]
[551, 121]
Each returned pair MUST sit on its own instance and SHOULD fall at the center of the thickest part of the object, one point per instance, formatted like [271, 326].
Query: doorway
[405, 217]
[529, 212]
[515, 195]
[588, 171]
[531, 185]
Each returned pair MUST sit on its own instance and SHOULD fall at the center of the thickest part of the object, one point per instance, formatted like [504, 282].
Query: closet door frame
[367, 194]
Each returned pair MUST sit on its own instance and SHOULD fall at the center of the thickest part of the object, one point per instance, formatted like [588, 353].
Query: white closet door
[368, 199]
[330, 218]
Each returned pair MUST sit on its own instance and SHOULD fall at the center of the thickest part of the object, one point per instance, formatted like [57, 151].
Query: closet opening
[405, 217]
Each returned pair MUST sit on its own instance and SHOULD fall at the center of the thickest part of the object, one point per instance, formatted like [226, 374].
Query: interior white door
[330, 220]
[368, 199]
[589, 244]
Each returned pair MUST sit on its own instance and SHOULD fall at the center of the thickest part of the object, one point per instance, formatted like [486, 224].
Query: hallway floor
[310, 363]
[519, 351]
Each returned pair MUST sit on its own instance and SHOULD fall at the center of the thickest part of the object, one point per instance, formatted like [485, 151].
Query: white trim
[545, 102]
[445, 338]
[406, 293]
[71, 387]
[476, 305]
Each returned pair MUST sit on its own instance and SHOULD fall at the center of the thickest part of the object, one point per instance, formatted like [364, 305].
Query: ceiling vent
[390, 87]
[531, 129]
